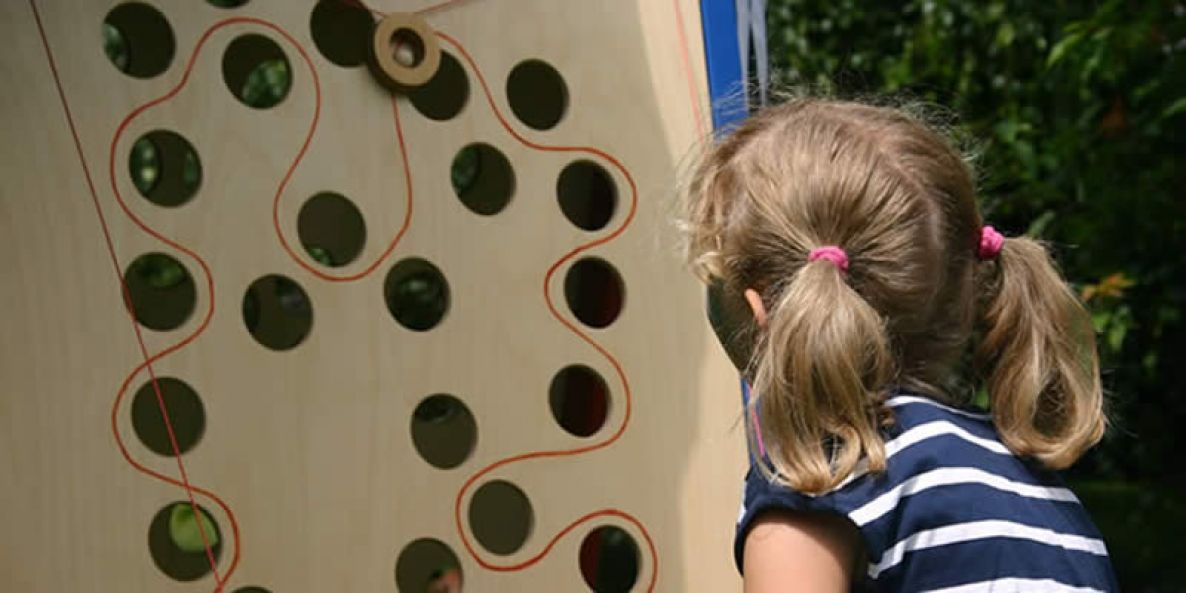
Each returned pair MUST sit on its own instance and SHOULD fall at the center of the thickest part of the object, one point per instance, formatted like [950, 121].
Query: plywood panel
[310, 448]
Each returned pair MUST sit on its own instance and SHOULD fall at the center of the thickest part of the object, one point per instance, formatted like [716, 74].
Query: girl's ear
[755, 304]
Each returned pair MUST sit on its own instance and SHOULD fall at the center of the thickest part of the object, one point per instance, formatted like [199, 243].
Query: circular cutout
[277, 312]
[177, 543]
[331, 229]
[594, 292]
[417, 294]
[427, 566]
[482, 179]
[587, 195]
[161, 291]
[443, 431]
[256, 71]
[579, 399]
[500, 517]
[251, 590]
[138, 40]
[186, 416]
[609, 560]
[537, 94]
[445, 94]
[165, 168]
[341, 30]
[227, 4]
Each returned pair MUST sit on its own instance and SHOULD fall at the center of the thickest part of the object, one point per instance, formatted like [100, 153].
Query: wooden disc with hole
[404, 52]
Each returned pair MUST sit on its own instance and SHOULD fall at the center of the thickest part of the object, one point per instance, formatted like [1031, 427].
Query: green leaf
[1061, 48]
[1099, 321]
[1006, 34]
[145, 165]
[1177, 107]
[1116, 335]
[184, 531]
[1038, 226]
[981, 399]
[159, 271]
[320, 254]
[115, 46]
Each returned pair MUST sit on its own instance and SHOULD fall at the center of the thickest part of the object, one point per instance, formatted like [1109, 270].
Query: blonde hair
[899, 199]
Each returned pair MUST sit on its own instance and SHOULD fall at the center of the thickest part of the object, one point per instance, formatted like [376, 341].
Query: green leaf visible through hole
[320, 254]
[467, 165]
[184, 532]
[267, 84]
[115, 46]
[159, 271]
[146, 166]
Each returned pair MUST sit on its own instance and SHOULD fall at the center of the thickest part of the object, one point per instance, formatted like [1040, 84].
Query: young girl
[851, 236]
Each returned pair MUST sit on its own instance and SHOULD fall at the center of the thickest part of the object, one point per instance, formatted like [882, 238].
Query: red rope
[148, 360]
[439, 6]
[627, 393]
[407, 220]
[686, 59]
[123, 126]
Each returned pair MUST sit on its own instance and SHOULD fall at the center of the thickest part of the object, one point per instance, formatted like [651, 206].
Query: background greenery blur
[1079, 109]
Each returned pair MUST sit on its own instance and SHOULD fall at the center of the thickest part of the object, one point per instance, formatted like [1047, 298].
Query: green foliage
[146, 166]
[115, 46]
[1079, 112]
[185, 531]
[320, 254]
[267, 84]
[159, 271]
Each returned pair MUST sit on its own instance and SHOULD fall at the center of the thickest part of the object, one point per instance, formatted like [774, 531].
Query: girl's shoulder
[926, 436]
[948, 476]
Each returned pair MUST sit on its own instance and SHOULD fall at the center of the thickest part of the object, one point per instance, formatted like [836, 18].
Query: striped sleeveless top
[954, 512]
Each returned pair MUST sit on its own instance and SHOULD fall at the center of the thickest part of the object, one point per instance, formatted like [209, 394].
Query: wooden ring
[403, 51]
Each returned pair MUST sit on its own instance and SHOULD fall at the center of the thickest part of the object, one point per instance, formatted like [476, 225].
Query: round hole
[256, 71]
[165, 168]
[161, 291]
[445, 94]
[331, 229]
[443, 431]
[500, 517]
[228, 4]
[186, 416]
[537, 94]
[609, 560]
[579, 400]
[427, 566]
[176, 542]
[341, 31]
[417, 294]
[251, 590]
[594, 292]
[277, 312]
[482, 178]
[407, 48]
[587, 195]
[138, 40]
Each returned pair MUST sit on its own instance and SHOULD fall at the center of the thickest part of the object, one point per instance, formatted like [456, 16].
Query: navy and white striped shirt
[954, 512]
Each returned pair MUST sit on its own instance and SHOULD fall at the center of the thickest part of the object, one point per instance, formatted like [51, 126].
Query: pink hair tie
[990, 243]
[831, 253]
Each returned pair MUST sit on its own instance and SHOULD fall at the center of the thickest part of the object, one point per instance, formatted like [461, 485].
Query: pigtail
[818, 371]
[1039, 354]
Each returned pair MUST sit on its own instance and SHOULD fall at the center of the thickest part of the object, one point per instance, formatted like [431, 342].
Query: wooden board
[310, 448]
